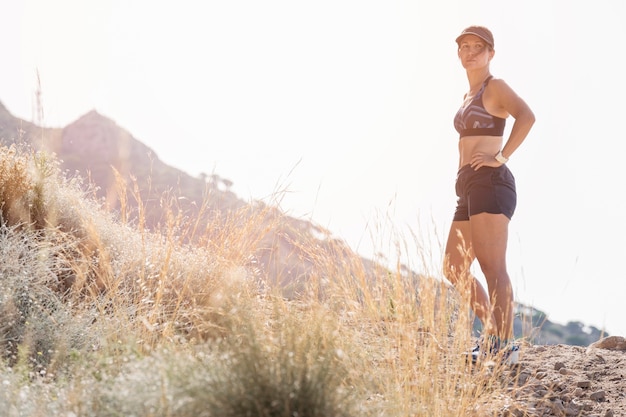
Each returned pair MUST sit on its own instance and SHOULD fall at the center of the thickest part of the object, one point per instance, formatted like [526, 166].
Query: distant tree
[577, 340]
[227, 183]
[575, 327]
[555, 330]
[596, 334]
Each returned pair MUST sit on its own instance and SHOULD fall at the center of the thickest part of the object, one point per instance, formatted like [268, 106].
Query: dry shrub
[146, 285]
[37, 328]
[22, 182]
[278, 368]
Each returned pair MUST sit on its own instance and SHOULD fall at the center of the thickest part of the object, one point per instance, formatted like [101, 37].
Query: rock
[609, 343]
[572, 410]
[523, 377]
[557, 408]
[584, 384]
[598, 395]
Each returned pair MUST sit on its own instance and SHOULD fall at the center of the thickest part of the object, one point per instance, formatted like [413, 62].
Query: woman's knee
[493, 271]
[498, 281]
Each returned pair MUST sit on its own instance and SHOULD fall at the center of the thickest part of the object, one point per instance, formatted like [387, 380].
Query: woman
[486, 192]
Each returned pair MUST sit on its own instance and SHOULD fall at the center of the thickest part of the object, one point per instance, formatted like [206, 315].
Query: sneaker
[491, 348]
[510, 354]
[485, 347]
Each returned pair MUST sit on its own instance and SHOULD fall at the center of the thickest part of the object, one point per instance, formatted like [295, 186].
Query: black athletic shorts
[488, 190]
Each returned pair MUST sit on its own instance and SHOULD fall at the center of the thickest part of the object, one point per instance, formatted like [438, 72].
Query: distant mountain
[106, 155]
[95, 147]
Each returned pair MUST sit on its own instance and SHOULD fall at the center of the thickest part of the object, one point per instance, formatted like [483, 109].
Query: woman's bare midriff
[471, 145]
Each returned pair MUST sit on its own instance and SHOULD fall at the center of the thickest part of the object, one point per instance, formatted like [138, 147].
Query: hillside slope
[129, 178]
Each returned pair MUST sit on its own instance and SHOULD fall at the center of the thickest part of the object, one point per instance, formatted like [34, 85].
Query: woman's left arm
[509, 103]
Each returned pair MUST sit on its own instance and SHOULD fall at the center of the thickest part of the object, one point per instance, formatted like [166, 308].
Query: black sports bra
[473, 120]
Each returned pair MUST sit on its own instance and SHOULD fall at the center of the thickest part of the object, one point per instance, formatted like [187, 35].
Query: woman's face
[474, 52]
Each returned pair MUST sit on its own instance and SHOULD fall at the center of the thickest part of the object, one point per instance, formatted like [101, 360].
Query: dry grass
[101, 317]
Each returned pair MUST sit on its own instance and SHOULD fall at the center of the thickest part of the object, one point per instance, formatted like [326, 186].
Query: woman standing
[486, 192]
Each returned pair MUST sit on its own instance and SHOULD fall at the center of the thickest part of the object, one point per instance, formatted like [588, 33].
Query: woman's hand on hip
[481, 159]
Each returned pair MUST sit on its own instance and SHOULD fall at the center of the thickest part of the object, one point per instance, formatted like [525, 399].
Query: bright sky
[348, 105]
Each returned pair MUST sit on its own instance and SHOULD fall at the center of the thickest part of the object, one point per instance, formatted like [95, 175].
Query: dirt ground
[562, 380]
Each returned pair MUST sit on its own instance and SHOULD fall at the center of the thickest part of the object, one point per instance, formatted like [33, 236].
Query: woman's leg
[489, 235]
[458, 259]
